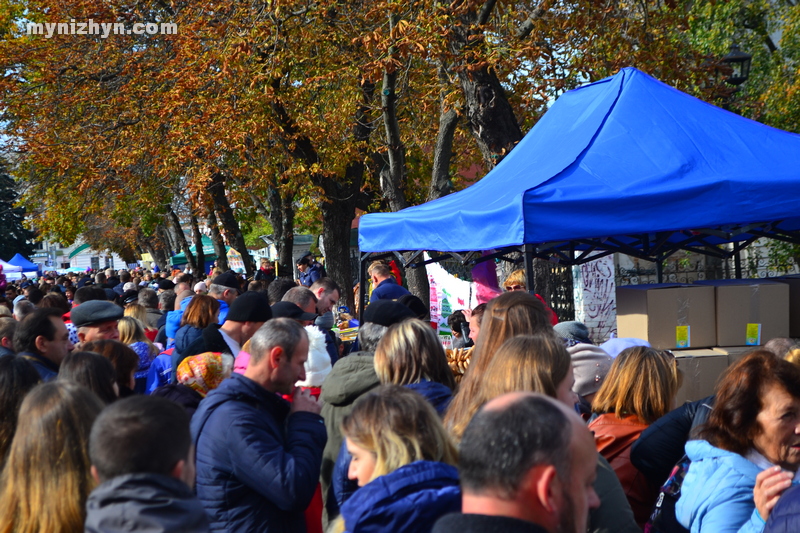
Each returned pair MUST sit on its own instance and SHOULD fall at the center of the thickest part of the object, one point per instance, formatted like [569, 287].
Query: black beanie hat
[387, 312]
[250, 307]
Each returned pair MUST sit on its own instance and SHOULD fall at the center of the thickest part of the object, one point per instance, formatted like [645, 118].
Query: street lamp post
[739, 63]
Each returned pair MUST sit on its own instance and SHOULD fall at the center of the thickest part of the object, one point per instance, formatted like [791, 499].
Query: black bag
[663, 519]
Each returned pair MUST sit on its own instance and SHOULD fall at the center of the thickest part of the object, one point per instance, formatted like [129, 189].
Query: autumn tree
[267, 109]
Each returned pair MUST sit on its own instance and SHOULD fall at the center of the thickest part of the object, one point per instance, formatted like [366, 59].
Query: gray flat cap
[95, 312]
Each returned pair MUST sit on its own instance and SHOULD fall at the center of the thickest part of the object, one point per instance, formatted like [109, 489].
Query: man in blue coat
[384, 283]
[258, 457]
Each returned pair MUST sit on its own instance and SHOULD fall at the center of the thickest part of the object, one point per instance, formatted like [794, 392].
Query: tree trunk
[441, 184]
[491, 118]
[156, 250]
[393, 176]
[341, 193]
[175, 223]
[225, 212]
[198, 246]
[336, 233]
[281, 216]
[216, 238]
[417, 281]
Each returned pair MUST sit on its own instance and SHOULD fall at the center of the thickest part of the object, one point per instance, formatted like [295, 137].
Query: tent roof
[20, 261]
[627, 163]
[8, 267]
[208, 252]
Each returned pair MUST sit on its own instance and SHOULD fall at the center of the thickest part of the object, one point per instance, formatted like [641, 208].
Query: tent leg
[737, 263]
[362, 283]
[529, 277]
[659, 270]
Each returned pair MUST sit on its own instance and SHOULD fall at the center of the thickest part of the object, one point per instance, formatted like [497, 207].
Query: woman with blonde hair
[139, 312]
[639, 389]
[540, 363]
[47, 478]
[508, 315]
[403, 462]
[535, 363]
[409, 354]
[131, 332]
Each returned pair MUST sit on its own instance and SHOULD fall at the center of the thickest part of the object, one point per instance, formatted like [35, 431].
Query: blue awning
[617, 159]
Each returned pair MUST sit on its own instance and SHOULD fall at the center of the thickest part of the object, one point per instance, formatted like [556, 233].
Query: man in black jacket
[247, 313]
[141, 454]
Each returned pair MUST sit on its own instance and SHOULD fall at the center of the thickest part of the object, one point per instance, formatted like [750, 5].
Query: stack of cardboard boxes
[708, 325]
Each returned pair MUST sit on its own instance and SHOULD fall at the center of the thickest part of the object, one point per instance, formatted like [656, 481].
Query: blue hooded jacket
[257, 465]
[343, 487]
[717, 492]
[410, 499]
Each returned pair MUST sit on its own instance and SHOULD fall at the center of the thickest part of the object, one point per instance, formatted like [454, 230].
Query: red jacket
[614, 438]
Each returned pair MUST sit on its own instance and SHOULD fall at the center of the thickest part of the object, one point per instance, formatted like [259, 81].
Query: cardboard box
[793, 282]
[701, 370]
[750, 311]
[735, 353]
[668, 315]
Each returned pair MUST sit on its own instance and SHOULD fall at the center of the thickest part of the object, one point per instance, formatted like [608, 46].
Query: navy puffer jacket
[410, 499]
[785, 516]
[257, 466]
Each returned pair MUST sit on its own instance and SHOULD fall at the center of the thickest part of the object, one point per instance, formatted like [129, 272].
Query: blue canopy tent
[626, 164]
[20, 261]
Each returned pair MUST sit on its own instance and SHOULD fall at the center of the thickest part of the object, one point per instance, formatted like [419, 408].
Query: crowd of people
[138, 401]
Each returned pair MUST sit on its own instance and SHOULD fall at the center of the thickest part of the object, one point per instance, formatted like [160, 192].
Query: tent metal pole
[529, 277]
[362, 284]
[659, 270]
[737, 262]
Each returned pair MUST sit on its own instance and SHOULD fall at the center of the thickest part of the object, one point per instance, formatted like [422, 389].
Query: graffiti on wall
[595, 296]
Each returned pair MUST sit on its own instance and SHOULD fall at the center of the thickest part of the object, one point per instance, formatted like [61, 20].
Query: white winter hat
[318, 364]
[590, 364]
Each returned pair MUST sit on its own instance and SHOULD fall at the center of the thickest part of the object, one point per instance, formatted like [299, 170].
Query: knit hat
[318, 364]
[387, 312]
[325, 321]
[590, 364]
[204, 372]
[250, 307]
[290, 310]
[129, 286]
[416, 305]
[614, 346]
[573, 332]
[95, 312]
[200, 286]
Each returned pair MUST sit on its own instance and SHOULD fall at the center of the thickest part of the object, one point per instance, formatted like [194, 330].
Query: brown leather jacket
[614, 438]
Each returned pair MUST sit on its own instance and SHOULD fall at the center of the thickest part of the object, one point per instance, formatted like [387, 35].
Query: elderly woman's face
[779, 440]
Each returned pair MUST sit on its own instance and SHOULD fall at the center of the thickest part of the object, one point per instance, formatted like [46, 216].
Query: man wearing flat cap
[96, 320]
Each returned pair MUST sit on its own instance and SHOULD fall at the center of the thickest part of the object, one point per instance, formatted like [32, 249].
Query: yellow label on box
[682, 337]
[753, 337]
